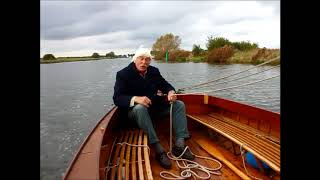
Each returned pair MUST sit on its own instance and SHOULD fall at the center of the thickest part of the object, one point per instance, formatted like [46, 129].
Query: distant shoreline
[255, 56]
[70, 59]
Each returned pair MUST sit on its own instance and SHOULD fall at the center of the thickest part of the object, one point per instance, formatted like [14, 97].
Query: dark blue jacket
[130, 83]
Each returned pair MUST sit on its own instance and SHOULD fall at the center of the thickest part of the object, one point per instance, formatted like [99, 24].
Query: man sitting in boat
[136, 90]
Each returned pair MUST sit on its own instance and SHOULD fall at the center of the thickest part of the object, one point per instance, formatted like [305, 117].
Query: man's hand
[171, 96]
[144, 100]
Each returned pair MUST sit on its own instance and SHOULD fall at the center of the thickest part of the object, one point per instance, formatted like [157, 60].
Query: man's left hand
[172, 96]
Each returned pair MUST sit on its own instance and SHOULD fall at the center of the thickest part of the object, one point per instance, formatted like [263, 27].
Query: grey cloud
[127, 24]
[67, 20]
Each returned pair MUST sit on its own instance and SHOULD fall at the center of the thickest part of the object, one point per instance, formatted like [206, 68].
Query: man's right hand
[144, 100]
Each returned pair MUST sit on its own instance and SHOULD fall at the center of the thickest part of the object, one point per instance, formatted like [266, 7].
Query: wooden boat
[219, 127]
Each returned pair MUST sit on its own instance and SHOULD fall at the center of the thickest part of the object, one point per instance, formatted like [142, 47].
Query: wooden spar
[115, 157]
[209, 147]
[146, 158]
[122, 156]
[133, 157]
[127, 169]
[141, 176]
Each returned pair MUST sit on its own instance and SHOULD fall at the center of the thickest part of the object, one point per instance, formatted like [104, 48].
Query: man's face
[142, 63]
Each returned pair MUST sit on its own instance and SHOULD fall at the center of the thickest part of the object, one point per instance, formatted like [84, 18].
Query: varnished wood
[127, 169]
[141, 176]
[235, 135]
[253, 147]
[122, 155]
[146, 158]
[270, 119]
[256, 131]
[245, 127]
[133, 157]
[205, 99]
[211, 149]
[115, 158]
[248, 139]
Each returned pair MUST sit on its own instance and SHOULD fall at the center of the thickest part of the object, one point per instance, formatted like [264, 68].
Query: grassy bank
[254, 56]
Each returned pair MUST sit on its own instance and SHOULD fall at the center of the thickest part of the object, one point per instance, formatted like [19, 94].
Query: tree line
[218, 49]
[94, 55]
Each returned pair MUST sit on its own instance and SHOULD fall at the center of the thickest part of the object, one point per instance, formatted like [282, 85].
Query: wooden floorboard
[127, 169]
[115, 158]
[227, 173]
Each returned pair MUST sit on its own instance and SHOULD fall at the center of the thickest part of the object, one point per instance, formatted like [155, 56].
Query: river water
[74, 96]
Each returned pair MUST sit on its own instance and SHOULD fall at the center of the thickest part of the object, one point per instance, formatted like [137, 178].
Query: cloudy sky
[79, 28]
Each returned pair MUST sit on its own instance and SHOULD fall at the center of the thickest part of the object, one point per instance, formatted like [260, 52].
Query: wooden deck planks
[141, 176]
[146, 158]
[264, 150]
[122, 155]
[133, 156]
[127, 169]
[115, 158]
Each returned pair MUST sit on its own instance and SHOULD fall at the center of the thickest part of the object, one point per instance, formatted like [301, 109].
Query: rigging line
[190, 87]
[237, 78]
[182, 94]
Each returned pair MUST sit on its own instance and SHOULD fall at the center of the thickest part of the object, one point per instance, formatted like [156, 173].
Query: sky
[80, 28]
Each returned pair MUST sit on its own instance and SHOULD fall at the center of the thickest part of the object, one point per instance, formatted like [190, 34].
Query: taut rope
[238, 78]
[201, 84]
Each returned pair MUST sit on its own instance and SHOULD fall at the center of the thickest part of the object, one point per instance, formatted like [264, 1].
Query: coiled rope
[188, 172]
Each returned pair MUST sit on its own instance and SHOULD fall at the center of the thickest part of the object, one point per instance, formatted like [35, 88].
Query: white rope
[244, 164]
[190, 87]
[187, 172]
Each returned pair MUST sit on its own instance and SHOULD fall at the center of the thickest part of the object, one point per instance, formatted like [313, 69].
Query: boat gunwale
[235, 102]
[86, 140]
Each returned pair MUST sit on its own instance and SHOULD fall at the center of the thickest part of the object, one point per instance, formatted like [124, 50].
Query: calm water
[75, 95]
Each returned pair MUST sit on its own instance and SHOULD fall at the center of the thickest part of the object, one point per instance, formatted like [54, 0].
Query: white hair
[141, 52]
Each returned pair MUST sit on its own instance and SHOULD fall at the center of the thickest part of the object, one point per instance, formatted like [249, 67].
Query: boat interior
[217, 131]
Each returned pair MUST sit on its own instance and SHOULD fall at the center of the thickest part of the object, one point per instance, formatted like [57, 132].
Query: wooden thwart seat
[261, 146]
[133, 161]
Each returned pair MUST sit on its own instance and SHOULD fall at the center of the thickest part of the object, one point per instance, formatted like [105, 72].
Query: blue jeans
[141, 116]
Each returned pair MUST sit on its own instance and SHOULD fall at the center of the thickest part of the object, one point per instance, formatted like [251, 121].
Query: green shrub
[217, 42]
